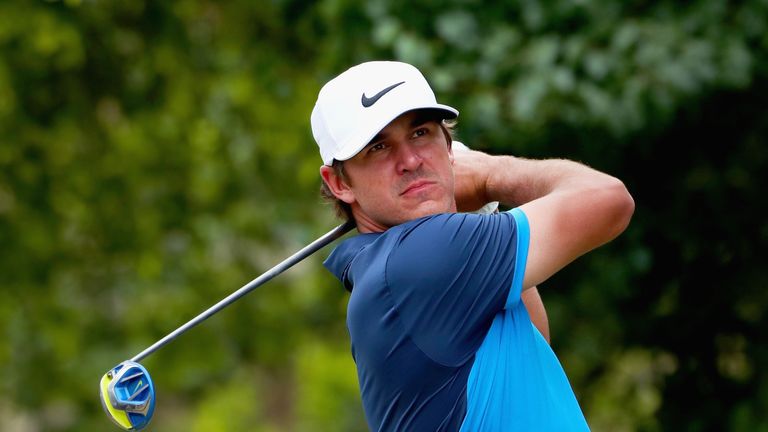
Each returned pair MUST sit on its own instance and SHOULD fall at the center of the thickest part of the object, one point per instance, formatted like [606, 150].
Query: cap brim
[353, 146]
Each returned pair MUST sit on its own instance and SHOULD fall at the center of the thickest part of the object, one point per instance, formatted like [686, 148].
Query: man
[439, 334]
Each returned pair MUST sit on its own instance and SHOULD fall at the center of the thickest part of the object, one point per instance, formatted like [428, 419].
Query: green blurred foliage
[155, 156]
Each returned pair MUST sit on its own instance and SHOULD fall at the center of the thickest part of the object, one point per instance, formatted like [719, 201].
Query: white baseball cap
[356, 105]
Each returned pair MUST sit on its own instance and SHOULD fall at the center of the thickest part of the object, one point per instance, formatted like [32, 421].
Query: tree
[156, 156]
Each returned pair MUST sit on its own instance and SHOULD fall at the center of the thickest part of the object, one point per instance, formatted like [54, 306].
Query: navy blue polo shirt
[439, 335]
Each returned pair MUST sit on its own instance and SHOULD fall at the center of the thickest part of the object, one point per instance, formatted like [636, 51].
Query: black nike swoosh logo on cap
[369, 101]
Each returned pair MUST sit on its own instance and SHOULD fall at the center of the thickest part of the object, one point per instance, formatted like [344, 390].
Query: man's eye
[420, 132]
[376, 147]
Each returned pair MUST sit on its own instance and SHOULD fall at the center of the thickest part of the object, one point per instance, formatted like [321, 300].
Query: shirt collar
[339, 261]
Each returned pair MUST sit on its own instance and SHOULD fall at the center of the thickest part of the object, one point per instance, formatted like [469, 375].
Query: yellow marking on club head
[119, 417]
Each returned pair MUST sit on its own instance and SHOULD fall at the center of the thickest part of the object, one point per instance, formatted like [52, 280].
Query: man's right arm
[532, 300]
[571, 208]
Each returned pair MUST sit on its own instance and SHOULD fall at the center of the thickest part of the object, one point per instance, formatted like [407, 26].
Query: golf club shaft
[250, 286]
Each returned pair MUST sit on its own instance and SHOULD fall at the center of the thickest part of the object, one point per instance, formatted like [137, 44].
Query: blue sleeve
[521, 256]
[450, 275]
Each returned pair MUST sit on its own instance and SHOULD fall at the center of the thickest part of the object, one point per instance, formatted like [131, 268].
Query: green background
[155, 156]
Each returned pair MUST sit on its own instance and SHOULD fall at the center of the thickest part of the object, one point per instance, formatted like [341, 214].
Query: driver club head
[128, 395]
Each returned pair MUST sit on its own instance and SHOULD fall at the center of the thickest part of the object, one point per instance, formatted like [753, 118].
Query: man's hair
[344, 210]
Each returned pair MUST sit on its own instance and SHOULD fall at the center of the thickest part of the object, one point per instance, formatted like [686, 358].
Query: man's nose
[408, 158]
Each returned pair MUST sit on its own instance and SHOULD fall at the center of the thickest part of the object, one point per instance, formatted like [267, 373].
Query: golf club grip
[250, 286]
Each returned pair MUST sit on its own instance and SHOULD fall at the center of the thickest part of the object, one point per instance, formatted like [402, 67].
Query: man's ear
[338, 186]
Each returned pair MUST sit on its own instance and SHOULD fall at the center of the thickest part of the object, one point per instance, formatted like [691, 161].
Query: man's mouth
[417, 187]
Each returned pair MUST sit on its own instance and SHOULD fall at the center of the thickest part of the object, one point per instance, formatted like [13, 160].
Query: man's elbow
[619, 207]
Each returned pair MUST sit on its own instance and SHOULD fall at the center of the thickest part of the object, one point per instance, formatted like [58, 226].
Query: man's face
[404, 173]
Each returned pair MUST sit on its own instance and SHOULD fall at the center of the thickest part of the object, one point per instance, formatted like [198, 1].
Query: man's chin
[422, 209]
[430, 208]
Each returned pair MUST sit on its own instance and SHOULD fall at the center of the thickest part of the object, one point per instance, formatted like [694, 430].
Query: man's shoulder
[438, 224]
[436, 241]
[451, 227]
[423, 244]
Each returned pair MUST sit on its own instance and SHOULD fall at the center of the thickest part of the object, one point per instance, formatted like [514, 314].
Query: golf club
[126, 391]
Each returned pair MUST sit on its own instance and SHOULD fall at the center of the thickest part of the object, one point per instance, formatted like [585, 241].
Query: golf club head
[128, 395]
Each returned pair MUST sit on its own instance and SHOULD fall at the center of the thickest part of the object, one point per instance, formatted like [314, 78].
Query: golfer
[440, 335]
